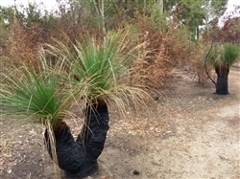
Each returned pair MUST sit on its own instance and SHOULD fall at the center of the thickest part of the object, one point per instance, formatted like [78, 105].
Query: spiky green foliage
[24, 91]
[224, 55]
[100, 70]
[230, 54]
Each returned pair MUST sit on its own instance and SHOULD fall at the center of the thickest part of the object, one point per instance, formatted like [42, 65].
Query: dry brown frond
[153, 67]
[197, 64]
[24, 43]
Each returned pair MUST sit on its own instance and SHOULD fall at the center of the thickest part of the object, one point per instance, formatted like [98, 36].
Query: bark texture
[79, 158]
[70, 155]
[222, 80]
[95, 130]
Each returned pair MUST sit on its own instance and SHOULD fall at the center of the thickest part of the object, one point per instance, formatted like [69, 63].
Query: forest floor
[189, 133]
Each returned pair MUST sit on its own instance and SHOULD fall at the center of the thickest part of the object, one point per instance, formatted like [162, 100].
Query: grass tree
[99, 75]
[96, 72]
[222, 57]
[38, 95]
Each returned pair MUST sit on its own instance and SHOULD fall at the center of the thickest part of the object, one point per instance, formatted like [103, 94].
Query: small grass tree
[35, 94]
[222, 57]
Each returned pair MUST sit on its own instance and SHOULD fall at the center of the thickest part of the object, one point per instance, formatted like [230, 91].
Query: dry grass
[155, 60]
[198, 64]
[23, 43]
[154, 65]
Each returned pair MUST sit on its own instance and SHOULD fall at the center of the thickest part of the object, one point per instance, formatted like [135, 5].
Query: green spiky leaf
[37, 95]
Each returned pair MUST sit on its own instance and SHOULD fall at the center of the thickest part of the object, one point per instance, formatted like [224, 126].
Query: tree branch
[205, 63]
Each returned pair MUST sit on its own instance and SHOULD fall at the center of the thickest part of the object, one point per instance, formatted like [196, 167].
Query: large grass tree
[93, 72]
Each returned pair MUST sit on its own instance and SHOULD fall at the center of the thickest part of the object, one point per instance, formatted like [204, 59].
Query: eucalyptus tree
[194, 13]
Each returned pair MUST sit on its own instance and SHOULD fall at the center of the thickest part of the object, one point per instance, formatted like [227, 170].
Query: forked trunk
[70, 155]
[95, 129]
[222, 80]
[80, 157]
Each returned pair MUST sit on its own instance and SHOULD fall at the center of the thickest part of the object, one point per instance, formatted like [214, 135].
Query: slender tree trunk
[197, 32]
[222, 80]
[160, 5]
[100, 9]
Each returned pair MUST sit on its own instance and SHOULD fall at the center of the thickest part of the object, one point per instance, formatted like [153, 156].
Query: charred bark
[95, 130]
[69, 154]
[79, 158]
[222, 80]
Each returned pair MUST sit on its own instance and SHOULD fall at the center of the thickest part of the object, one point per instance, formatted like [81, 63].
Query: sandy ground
[190, 133]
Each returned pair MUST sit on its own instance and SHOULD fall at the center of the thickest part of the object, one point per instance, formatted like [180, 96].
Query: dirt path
[200, 138]
[190, 134]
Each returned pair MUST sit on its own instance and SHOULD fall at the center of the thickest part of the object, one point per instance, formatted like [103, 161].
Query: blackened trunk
[80, 158]
[71, 155]
[222, 80]
[95, 130]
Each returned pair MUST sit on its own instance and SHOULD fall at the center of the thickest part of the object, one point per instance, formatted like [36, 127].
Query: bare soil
[189, 133]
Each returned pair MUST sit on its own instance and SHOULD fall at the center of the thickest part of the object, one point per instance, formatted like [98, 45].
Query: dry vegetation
[160, 50]
[163, 45]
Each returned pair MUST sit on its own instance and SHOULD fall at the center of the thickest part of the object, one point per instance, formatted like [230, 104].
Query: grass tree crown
[100, 70]
[34, 94]
[224, 55]
[91, 70]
